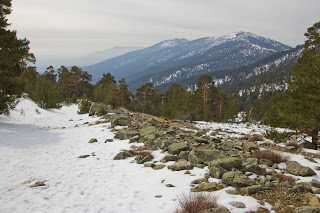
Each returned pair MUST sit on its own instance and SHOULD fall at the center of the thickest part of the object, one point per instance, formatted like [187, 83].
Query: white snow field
[45, 146]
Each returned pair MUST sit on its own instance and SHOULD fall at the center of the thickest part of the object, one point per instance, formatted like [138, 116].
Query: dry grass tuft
[284, 178]
[295, 144]
[194, 203]
[270, 155]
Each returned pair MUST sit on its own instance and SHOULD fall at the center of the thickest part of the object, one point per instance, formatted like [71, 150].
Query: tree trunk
[314, 135]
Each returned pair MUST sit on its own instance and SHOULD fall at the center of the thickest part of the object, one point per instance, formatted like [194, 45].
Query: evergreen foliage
[14, 55]
[46, 94]
[84, 105]
[299, 107]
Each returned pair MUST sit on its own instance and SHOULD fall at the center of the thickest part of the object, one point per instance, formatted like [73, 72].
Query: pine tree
[46, 94]
[14, 55]
[124, 93]
[300, 109]
[177, 100]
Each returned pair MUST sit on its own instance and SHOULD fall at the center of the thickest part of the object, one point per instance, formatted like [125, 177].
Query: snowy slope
[45, 147]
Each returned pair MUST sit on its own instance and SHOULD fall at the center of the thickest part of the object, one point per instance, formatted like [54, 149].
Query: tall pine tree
[14, 55]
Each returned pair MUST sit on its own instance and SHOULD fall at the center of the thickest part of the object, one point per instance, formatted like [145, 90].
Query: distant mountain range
[178, 59]
[271, 73]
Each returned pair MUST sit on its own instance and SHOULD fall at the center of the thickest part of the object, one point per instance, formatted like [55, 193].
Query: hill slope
[180, 57]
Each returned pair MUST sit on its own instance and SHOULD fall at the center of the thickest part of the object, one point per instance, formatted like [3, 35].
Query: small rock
[84, 156]
[313, 200]
[181, 165]
[291, 148]
[38, 183]
[187, 172]
[158, 196]
[122, 155]
[27, 182]
[158, 166]
[176, 148]
[220, 209]
[308, 209]
[238, 204]
[315, 183]
[108, 140]
[252, 189]
[149, 165]
[302, 187]
[93, 140]
[169, 185]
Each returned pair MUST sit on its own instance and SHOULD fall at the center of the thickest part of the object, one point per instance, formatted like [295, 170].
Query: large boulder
[295, 168]
[121, 121]
[147, 131]
[176, 148]
[197, 156]
[237, 179]
[227, 163]
[217, 171]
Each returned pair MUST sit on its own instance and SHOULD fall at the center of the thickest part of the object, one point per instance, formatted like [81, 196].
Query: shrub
[278, 137]
[194, 203]
[270, 155]
[284, 178]
[101, 110]
[295, 144]
[84, 106]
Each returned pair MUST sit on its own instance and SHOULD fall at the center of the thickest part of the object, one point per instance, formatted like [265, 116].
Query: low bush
[284, 178]
[194, 203]
[278, 137]
[295, 144]
[84, 105]
[270, 155]
[101, 110]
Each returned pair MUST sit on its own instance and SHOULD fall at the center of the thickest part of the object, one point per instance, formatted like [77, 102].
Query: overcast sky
[67, 27]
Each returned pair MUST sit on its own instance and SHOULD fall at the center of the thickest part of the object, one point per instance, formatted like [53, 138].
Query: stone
[197, 156]
[238, 204]
[170, 158]
[255, 169]
[181, 165]
[121, 121]
[149, 165]
[291, 148]
[158, 166]
[201, 140]
[158, 196]
[184, 155]
[313, 200]
[315, 183]
[108, 140]
[170, 185]
[93, 140]
[142, 159]
[122, 155]
[237, 179]
[302, 187]
[249, 146]
[84, 156]
[209, 187]
[252, 189]
[266, 162]
[134, 139]
[176, 148]
[308, 209]
[217, 171]
[147, 131]
[38, 183]
[227, 163]
[220, 209]
[295, 168]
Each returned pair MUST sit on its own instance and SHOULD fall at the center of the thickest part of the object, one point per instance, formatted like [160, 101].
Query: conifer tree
[177, 100]
[14, 56]
[300, 109]
[124, 93]
[45, 93]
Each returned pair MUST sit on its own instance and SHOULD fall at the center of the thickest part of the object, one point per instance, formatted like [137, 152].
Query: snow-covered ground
[41, 145]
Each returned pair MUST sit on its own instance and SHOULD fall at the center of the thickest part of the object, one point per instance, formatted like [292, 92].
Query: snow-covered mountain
[169, 60]
[269, 74]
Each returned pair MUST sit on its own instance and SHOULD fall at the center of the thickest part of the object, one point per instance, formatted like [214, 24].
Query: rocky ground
[232, 161]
